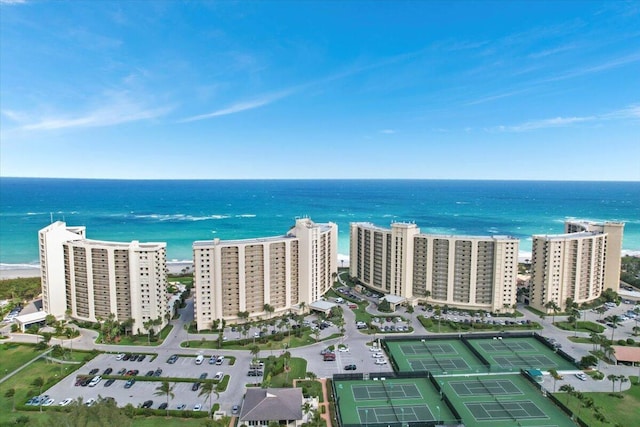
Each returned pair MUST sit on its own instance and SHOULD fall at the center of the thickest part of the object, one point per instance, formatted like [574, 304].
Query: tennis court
[389, 401]
[503, 400]
[380, 390]
[491, 387]
[511, 410]
[436, 356]
[511, 354]
[398, 413]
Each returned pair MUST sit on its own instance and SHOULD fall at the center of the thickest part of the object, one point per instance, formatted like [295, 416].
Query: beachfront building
[258, 277]
[89, 280]
[577, 265]
[467, 272]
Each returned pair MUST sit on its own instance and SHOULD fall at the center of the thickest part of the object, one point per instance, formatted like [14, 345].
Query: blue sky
[455, 90]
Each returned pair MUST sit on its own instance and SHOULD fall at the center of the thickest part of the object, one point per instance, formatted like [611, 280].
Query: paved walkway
[10, 374]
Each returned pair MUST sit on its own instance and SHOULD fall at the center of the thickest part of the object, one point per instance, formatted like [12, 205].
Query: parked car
[122, 371]
[94, 382]
[109, 382]
[350, 368]
[107, 371]
[163, 405]
[197, 407]
[120, 356]
[157, 372]
[130, 383]
[94, 371]
[218, 376]
[195, 386]
[203, 376]
[181, 406]
[147, 404]
[141, 357]
[171, 360]
[66, 402]
[90, 402]
[581, 376]
[381, 362]
[235, 409]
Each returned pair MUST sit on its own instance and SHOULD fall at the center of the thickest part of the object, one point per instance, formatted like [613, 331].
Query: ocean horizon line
[324, 179]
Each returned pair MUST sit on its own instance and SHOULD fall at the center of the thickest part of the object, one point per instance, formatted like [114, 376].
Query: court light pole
[366, 417]
[438, 408]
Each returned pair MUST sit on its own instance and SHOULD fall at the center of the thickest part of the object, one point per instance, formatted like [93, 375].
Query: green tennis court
[389, 401]
[491, 387]
[436, 356]
[380, 390]
[503, 400]
[518, 353]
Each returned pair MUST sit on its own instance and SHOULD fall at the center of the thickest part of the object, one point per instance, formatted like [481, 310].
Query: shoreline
[15, 271]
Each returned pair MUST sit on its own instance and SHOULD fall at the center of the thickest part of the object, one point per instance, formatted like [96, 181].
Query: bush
[622, 342]
[631, 341]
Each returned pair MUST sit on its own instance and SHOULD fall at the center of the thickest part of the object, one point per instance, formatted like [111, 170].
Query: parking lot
[142, 390]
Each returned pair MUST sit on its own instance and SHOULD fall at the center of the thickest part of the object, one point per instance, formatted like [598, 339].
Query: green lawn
[297, 370]
[291, 342]
[15, 355]
[311, 388]
[582, 326]
[142, 339]
[446, 326]
[617, 412]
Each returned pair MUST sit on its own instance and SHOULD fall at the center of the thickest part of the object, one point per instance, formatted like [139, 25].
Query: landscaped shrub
[630, 341]
[622, 342]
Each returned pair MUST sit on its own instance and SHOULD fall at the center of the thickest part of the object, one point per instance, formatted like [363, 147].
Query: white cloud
[13, 1]
[117, 108]
[388, 131]
[630, 112]
[241, 106]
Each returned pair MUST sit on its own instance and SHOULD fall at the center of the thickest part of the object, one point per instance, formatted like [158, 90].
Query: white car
[343, 349]
[381, 362]
[378, 356]
[120, 356]
[197, 407]
[376, 349]
[48, 402]
[90, 402]
[66, 402]
[218, 376]
[95, 381]
[581, 376]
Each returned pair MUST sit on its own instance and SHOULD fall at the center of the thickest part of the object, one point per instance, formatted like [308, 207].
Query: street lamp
[438, 408]
[366, 416]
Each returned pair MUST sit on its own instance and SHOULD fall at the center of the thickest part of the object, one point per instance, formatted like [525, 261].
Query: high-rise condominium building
[249, 276]
[579, 264]
[468, 272]
[91, 279]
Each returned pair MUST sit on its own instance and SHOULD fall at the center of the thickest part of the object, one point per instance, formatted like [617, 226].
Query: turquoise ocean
[181, 211]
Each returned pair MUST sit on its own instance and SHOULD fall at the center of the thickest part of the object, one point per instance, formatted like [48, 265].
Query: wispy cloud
[13, 1]
[118, 108]
[612, 63]
[241, 106]
[388, 131]
[630, 112]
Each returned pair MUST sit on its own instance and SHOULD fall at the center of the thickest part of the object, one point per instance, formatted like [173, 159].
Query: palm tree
[207, 389]
[268, 308]
[613, 378]
[622, 380]
[302, 305]
[39, 382]
[551, 305]
[254, 350]
[568, 389]
[306, 408]
[165, 389]
[555, 376]
[311, 375]
[615, 321]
